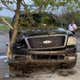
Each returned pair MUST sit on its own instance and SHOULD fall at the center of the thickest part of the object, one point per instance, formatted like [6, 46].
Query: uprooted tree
[40, 5]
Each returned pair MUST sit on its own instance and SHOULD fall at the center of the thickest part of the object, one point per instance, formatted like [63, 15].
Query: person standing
[72, 27]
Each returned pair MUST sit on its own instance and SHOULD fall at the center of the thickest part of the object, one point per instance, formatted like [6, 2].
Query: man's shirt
[72, 27]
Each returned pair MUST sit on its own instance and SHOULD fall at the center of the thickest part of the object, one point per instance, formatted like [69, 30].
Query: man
[72, 27]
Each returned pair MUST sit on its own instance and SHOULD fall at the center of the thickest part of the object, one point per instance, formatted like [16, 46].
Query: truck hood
[47, 32]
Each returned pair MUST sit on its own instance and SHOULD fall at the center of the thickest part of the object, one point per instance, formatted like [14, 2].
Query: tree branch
[3, 2]
[6, 22]
[15, 31]
[16, 27]
[27, 13]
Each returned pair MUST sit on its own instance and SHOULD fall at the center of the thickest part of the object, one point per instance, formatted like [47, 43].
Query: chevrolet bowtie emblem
[47, 42]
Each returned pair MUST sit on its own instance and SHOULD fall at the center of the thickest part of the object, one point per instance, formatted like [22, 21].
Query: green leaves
[72, 3]
[45, 3]
[38, 2]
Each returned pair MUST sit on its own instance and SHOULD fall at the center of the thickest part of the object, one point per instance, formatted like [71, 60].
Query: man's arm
[75, 27]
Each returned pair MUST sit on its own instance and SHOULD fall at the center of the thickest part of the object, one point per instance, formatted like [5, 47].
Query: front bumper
[62, 56]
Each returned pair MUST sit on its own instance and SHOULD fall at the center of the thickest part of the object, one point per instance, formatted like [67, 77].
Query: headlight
[72, 58]
[71, 41]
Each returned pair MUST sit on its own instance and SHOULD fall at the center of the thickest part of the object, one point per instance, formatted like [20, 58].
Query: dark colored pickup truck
[43, 46]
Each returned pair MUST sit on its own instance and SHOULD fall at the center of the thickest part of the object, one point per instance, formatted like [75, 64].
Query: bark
[15, 31]
[41, 6]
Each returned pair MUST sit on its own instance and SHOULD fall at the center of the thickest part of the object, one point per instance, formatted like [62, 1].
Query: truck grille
[46, 42]
[47, 57]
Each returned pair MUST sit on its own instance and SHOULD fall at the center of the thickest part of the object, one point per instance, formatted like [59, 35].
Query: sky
[6, 12]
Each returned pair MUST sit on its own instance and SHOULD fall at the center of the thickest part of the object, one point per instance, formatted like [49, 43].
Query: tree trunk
[15, 30]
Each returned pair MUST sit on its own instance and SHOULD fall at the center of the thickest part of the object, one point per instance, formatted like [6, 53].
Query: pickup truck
[43, 45]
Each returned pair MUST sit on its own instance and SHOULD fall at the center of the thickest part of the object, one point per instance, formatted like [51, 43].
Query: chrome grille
[46, 42]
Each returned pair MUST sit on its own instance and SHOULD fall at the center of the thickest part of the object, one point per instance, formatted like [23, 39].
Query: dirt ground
[40, 73]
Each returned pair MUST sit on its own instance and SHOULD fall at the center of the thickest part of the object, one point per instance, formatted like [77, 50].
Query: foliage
[40, 20]
[67, 18]
[42, 5]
